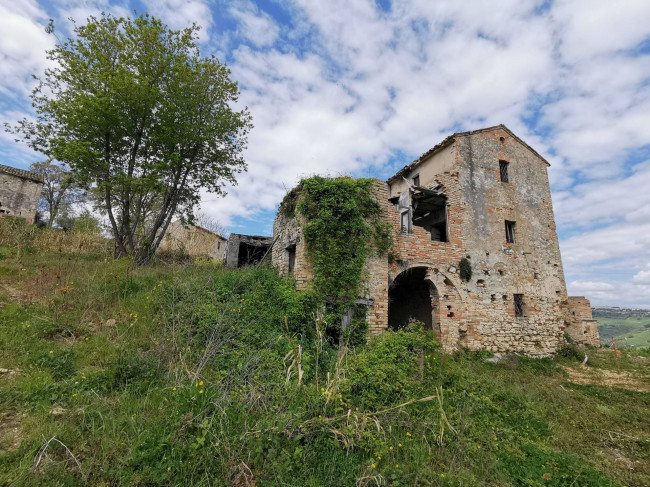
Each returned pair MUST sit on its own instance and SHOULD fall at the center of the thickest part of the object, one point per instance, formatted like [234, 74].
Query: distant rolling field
[630, 332]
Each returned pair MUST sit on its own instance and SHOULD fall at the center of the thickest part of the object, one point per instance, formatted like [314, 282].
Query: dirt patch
[8, 373]
[10, 432]
[607, 378]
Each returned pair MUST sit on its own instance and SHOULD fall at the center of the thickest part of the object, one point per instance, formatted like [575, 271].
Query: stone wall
[581, 326]
[193, 241]
[287, 233]
[19, 192]
[479, 314]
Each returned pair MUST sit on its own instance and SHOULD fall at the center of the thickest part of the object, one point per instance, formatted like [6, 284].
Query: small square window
[519, 305]
[416, 180]
[504, 171]
[510, 231]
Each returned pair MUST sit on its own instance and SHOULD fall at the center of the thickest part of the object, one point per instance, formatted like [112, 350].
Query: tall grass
[17, 233]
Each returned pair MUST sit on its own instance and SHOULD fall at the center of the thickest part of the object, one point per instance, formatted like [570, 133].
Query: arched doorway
[411, 297]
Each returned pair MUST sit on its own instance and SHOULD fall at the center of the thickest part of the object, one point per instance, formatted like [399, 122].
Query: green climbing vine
[342, 226]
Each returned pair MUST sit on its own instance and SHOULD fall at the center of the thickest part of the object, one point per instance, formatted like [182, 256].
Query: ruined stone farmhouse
[192, 241]
[19, 192]
[483, 196]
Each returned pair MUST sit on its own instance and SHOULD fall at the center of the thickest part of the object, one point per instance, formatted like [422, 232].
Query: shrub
[572, 352]
[465, 269]
[381, 373]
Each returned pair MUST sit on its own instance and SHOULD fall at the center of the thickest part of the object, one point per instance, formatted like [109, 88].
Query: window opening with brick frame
[416, 180]
[519, 305]
[504, 171]
[510, 231]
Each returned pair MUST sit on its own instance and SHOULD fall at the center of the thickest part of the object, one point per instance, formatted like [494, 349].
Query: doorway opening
[411, 297]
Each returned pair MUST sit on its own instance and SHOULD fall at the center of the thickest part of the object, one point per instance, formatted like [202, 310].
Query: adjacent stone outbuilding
[193, 241]
[483, 196]
[19, 192]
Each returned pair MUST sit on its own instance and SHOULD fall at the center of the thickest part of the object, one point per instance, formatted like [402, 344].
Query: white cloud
[179, 14]
[642, 277]
[22, 46]
[257, 26]
[604, 202]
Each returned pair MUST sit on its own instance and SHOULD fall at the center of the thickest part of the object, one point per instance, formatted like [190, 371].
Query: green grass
[630, 332]
[169, 375]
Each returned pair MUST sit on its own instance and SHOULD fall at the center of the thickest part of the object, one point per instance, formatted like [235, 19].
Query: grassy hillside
[631, 331]
[197, 375]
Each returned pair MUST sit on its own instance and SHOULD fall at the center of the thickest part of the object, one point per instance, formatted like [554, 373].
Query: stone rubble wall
[288, 232]
[581, 327]
[19, 196]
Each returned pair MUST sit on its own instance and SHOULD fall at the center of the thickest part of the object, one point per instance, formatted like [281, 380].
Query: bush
[389, 367]
[572, 352]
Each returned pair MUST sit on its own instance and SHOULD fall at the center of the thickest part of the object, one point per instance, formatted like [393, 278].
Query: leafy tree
[140, 116]
[59, 191]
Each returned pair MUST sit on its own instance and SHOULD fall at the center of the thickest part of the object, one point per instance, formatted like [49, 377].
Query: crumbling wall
[19, 192]
[287, 233]
[581, 326]
[516, 298]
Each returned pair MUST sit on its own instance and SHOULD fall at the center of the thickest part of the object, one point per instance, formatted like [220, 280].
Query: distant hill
[630, 327]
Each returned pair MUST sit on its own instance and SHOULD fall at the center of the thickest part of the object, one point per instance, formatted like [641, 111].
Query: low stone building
[482, 196]
[193, 241]
[19, 192]
[581, 326]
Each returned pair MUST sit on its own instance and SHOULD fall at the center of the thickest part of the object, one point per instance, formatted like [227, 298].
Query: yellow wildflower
[201, 391]
[374, 466]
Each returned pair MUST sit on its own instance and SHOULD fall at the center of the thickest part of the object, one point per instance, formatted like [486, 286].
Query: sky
[362, 88]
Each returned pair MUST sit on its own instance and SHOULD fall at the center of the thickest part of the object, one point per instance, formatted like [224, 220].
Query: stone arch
[412, 296]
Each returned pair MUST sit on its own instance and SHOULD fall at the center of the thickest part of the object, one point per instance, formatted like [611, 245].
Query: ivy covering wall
[342, 226]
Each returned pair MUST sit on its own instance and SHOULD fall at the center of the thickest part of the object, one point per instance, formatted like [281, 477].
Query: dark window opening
[291, 254]
[406, 221]
[504, 172]
[519, 305]
[410, 297]
[416, 180]
[430, 213]
[510, 231]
